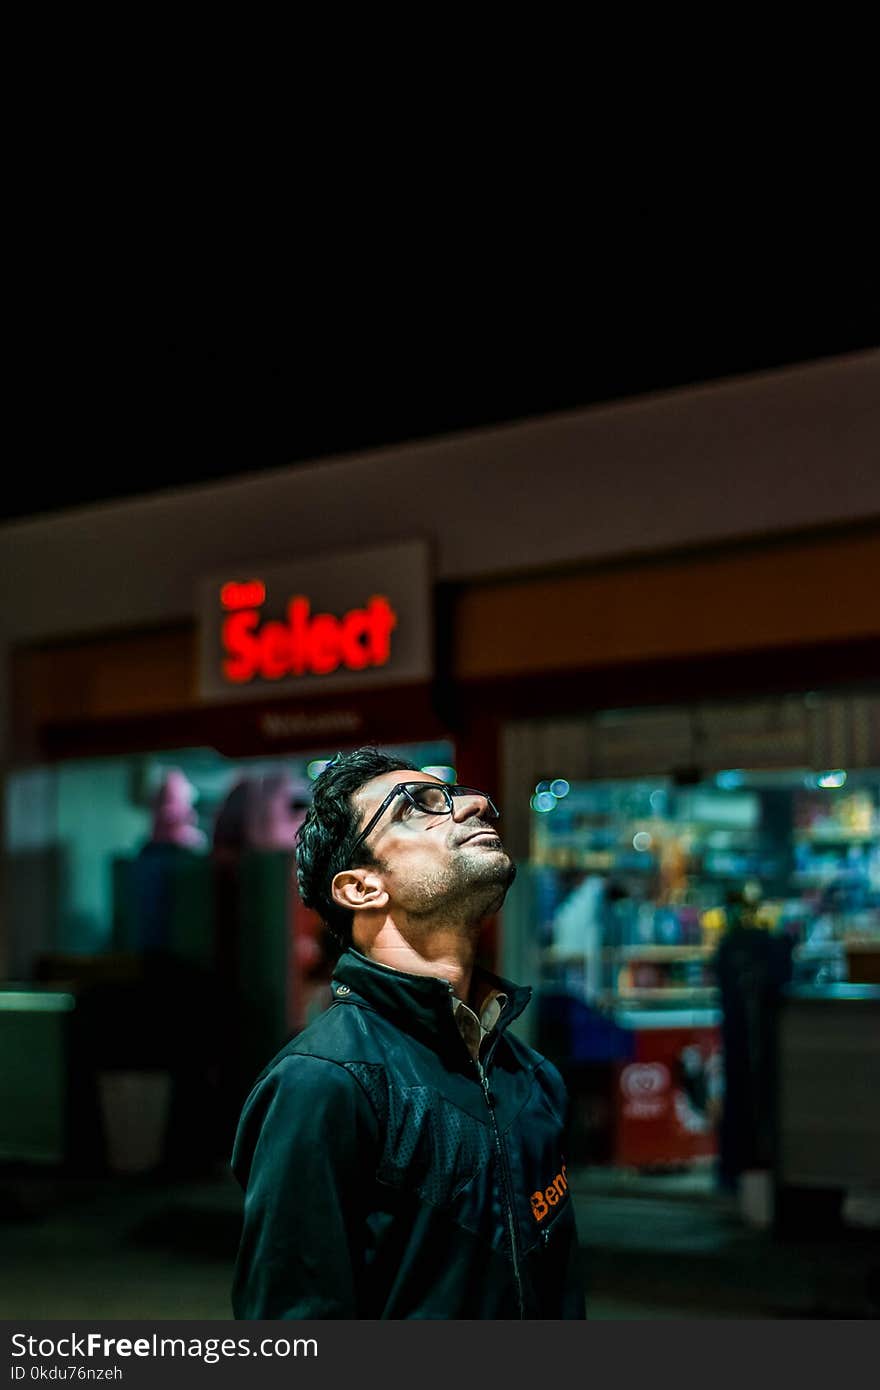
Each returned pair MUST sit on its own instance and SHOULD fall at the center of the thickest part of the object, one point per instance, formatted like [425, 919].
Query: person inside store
[403, 1157]
[752, 966]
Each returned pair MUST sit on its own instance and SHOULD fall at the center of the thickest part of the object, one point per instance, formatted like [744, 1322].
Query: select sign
[324, 624]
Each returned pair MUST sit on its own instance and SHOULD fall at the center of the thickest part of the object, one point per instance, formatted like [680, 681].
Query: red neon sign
[307, 643]
[249, 595]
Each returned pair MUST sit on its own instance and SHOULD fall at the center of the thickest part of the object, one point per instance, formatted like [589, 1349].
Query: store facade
[656, 805]
[648, 597]
[657, 730]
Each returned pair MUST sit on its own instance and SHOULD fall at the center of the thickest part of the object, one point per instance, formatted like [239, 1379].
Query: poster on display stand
[668, 1098]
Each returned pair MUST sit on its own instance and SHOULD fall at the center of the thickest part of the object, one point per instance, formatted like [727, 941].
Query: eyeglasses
[428, 798]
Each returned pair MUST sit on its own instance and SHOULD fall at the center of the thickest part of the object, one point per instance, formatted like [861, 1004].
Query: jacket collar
[419, 1004]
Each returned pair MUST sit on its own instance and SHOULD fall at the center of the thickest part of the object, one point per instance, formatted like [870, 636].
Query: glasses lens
[491, 809]
[429, 797]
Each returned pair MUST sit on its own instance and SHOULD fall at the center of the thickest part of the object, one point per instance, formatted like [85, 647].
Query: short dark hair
[325, 840]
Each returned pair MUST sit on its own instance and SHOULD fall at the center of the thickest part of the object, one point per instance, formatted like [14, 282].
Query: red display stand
[668, 1098]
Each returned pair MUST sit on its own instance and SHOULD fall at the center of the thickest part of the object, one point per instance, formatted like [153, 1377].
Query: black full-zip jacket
[388, 1175]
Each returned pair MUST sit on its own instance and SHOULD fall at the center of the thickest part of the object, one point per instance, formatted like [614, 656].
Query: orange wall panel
[141, 673]
[781, 595]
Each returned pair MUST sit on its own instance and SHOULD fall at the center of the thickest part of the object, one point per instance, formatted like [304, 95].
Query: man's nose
[471, 804]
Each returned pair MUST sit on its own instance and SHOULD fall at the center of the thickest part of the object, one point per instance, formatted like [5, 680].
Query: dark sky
[131, 391]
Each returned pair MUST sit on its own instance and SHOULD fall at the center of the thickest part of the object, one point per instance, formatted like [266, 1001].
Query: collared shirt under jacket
[389, 1174]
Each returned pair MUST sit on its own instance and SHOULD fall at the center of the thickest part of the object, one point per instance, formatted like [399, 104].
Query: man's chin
[505, 875]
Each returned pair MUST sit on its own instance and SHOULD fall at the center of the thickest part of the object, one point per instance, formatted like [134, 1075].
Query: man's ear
[359, 889]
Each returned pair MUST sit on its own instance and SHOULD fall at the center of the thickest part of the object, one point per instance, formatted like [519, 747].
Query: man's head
[414, 864]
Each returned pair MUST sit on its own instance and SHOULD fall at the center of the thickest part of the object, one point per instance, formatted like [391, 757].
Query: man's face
[435, 865]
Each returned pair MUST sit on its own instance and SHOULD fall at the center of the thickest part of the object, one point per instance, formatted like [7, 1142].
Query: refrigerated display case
[638, 881]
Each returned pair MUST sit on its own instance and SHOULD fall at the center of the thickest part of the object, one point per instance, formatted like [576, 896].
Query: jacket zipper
[505, 1183]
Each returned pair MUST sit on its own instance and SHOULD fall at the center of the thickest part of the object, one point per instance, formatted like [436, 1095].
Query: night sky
[132, 383]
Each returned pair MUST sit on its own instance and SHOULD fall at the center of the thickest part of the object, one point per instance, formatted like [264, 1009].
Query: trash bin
[134, 1108]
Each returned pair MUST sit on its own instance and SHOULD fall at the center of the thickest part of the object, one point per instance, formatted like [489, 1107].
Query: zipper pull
[484, 1082]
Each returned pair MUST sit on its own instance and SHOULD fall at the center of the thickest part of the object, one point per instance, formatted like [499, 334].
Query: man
[401, 1158]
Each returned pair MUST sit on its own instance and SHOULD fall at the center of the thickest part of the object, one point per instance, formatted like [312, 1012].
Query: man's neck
[445, 953]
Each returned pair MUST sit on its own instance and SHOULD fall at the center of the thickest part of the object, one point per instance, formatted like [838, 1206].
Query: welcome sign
[338, 622]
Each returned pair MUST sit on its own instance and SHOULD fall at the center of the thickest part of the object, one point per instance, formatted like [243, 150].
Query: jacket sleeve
[302, 1153]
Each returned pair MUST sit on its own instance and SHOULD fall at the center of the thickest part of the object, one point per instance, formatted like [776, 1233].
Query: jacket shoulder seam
[344, 1067]
[309, 1057]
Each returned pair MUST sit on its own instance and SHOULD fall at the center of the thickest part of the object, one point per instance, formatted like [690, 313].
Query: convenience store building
[688, 637]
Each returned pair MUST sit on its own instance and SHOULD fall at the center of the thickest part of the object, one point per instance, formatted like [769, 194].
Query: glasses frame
[402, 789]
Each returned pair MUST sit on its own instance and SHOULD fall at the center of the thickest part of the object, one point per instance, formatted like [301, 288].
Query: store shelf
[555, 955]
[817, 878]
[659, 953]
[836, 837]
[662, 994]
[600, 862]
[696, 1016]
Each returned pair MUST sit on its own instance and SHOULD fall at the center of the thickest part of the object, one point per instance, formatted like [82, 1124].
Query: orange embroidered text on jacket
[550, 1197]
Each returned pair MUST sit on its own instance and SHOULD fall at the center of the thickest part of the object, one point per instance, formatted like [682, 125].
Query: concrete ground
[652, 1248]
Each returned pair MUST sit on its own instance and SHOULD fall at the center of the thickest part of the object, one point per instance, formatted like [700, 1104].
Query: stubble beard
[469, 890]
